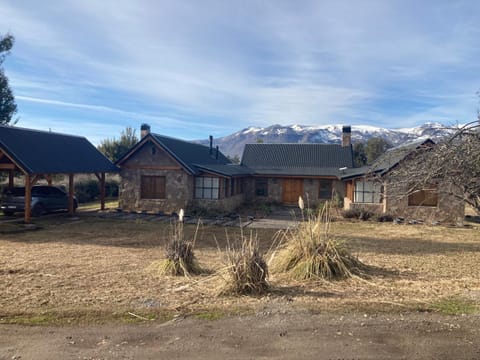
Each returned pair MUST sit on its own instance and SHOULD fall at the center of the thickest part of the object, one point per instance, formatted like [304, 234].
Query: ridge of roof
[40, 131]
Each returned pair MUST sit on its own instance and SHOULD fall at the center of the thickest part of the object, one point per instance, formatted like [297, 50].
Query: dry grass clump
[179, 256]
[309, 251]
[246, 271]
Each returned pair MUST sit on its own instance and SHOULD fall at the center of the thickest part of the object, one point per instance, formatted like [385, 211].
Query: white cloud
[229, 65]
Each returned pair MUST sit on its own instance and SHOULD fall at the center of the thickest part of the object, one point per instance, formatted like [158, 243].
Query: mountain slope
[232, 145]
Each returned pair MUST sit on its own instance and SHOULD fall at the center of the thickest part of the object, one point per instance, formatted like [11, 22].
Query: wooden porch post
[28, 198]
[101, 178]
[71, 209]
[11, 177]
[49, 179]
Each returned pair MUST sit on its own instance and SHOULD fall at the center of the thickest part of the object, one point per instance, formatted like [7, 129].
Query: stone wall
[225, 205]
[178, 184]
[449, 208]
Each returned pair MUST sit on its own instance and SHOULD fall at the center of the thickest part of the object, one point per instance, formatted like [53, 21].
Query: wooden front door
[292, 189]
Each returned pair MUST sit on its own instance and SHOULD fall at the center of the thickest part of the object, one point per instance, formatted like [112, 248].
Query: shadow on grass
[410, 246]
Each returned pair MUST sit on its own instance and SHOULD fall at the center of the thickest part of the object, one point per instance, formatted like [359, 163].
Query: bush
[384, 218]
[179, 257]
[309, 252]
[246, 271]
[357, 213]
[89, 190]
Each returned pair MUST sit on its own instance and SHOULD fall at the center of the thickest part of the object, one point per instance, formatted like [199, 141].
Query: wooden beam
[48, 177]
[1, 154]
[28, 199]
[11, 179]
[71, 209]
[102, 191]
[7, 166]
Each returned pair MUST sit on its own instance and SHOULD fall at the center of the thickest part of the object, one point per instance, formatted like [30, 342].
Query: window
[424, 197]
[152, 187]
[206, 187]
[367, 192]
[325, 189]
[261, 187]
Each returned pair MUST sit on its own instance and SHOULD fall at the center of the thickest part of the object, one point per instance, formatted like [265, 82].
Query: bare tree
[452, 167]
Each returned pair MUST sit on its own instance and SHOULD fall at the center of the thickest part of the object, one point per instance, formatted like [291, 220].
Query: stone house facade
[163, 175]
[378, 189]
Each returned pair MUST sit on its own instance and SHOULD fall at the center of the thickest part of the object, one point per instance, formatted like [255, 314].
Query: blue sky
[192, 68]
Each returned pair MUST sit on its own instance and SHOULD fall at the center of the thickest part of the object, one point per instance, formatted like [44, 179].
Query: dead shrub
[246, 271]
[308, 251]
[179, 256]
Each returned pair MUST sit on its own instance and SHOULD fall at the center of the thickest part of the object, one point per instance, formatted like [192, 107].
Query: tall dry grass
[309, 251]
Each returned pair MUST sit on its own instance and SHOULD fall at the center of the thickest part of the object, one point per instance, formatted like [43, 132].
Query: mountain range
[232, 145]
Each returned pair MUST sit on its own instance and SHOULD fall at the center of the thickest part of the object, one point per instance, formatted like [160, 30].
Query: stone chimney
[346, 136]
[144, 130]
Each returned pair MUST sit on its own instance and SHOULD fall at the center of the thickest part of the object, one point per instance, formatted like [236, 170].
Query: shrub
[357, 213]
[246, 271]
[385, 218]
[308, 251]
[89, 190]
[179, 257]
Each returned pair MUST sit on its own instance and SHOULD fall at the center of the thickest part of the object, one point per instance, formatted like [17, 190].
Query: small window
[325, 189]
[152, 187]
[367, 192]
[206, 187]
[154, 150]
[261, 187]
[424, 197]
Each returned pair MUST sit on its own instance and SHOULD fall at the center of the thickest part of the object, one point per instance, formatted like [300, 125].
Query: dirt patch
[278, 335]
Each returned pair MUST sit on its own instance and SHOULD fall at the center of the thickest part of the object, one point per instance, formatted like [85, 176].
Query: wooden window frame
[206, 186]
[157, 184]
[367, 196]
[263, 190]
[427, 197]
[322, 190]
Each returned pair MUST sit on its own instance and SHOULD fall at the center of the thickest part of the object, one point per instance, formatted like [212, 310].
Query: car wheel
[8, 213]
[38, 210]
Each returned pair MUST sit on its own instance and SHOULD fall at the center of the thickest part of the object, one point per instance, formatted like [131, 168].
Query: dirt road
[296, 335]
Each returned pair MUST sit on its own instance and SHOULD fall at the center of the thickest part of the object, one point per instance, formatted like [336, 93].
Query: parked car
[44, 199]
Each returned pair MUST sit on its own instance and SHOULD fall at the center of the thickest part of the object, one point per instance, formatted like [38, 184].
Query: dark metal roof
[227, 170]
[191, 155]
[297, 159]
[41, 152]
[388, 160]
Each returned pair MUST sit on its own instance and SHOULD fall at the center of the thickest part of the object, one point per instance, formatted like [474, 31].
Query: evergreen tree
[8, 107]
[115, 148]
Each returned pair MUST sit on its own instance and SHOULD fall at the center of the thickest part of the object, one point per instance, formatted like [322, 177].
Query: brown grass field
[93, 269]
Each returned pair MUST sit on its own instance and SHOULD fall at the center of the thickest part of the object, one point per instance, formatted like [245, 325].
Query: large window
[325, 189]
[367, 192]
[424, 197]
[152, 187]
[206, 187]
[261, 187]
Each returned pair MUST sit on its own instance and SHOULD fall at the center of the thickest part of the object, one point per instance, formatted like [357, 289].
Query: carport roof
[42, 152]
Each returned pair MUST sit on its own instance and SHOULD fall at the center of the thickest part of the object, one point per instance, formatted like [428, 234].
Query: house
[283, 172]
[382, 189]
[164, 174]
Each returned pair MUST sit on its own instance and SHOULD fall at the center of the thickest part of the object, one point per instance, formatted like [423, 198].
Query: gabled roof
[297, 159]
[190, 155]
[391, 158]
[42, 152]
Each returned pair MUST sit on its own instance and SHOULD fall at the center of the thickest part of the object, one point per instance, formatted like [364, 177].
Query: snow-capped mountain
[232, 145]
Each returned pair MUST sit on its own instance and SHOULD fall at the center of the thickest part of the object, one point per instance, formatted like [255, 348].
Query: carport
[41, 154]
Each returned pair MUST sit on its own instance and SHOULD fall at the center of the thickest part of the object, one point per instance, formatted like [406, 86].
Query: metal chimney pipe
[211, 143]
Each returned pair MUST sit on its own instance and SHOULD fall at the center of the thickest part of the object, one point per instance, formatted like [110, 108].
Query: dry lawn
[102, 269]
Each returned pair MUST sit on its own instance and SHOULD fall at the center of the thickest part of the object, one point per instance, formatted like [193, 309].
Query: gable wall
[178, 183]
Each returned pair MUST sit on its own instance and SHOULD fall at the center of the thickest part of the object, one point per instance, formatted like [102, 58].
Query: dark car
[44, 199]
